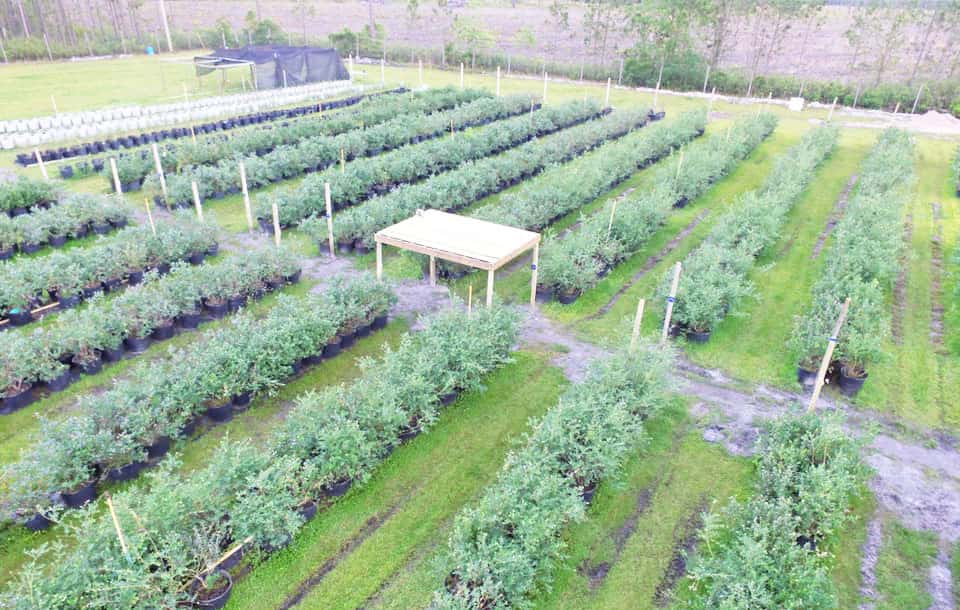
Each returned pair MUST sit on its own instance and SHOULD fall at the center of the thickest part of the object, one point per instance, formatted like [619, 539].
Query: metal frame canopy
[461, 239]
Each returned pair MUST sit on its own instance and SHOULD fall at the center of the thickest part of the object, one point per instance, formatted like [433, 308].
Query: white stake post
[916, 100]
[420, 71]
[461, 75]
[56, 111]
[613, 211]
[498, 81]
[343, 161]
[636, 324]
[383, 71]
[116, 526]
[706, 79]
[670, 301]
[828, 356]
[116, 175]
[329, 204]
[470, 300]
[713, 97]
[606, 100]
[196, 200]
[246, 196]
[159, 166]
[43, 167]
[146, 204]
[276, 224]
[679, 164]
[545, 77]
[534, 270]
[832, 107]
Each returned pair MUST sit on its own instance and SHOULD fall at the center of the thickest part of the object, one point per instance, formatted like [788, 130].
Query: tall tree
[721, 21]
[664, 25]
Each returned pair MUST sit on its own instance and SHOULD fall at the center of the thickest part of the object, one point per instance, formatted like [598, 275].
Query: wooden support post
[116, 526]
[461, 75]
[343, 161]
[246, 196]
[451, 128]
[433, 270]
[498, 81]
[146, 204]
[469, 300]
[916, 100]
[656, 91]
[53, 101]
[159, 166]
[49, 52]
[606, 100]
[329, 204]
[679, 164]
[545, 79]
[379, 260]
[116, 176]
[713, 97]
[420, 71]
[637, 320]
[534, 272]
[670, 301]
[490, 287]
[706, 79]
[383, 71]
[196, 200]
[828, 355]
[856, 96]
[276, 224]
[43, 167]
[896, 108]
[832, 107]
[620, 78]
[349, 59]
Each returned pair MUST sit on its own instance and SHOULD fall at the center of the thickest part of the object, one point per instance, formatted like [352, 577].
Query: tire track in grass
[900, 287]
[936, 280]
[838, 209]
[686, 538]
[868, 566]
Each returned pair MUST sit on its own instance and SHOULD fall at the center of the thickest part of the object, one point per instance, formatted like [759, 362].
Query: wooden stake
[469, 300]
[825, 363]
[916, 100]
[246, 196]
[379, 260]
[146, 204]
[343, 161]
[679, 164]
[636, 324]
[498, 81]
[451, 128]
[420, 71]
[229, 552]
[43, 167]
[196, 200]
[613, 210]
[545, 78]
[159, 166]
[116, 175]
[329, 204]
[53, 101]
[490, 287]
[116, 526]
[433, 270]
[606, 100]
[706, 79]
[276, 224]
[47, 43]
[832, 107]
[534, 271]
[383, 71]
[670, 301]
[461, 75]
[713, 97]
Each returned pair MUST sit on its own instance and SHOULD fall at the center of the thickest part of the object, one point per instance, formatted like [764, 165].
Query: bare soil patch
[900, 288]
[686, 539]
[936, 280]
[835, 216]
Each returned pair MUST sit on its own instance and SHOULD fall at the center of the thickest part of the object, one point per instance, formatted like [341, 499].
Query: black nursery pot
[544, 294]
[294, 277]
[331, 349]
[60, 382]
[102, 229]
[91, 368]
[696, 336]
[9, 404]
[217, 311]
[220, 413]
[134, 277]
[125, 473]
[58, 241]
[240, 400]
[190, 320]
[66, 172]
[850, 386]
[162, 332]
[588, 492]
[137, 344]
[344, 247]
[448, 399]
[82, 495]
[347, 340]
[6, 253]
[113, 354]
[568, 297]
[308, 510]
[37, 523]
[66, 302]
[806, 378]
[363, 331]
[235, 303]
[159, 448]
[20, 317]
[335, 490]
[219, 599]
[379, 323]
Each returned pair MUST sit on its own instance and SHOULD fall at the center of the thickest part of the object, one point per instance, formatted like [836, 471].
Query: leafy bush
[502, 548]
[768, 552]
[73, 215]
[26, 193]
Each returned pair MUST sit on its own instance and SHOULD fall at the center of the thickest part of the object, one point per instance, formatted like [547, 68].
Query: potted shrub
[185, 290]
[9, 236]
[34, 234]
[213, 590]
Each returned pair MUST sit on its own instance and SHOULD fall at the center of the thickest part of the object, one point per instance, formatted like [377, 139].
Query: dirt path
[835, 216]
[936, 280]
[870, 552]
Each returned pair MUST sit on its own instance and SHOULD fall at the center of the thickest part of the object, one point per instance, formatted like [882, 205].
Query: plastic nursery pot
[448, 399]
[344, 247]
[805, 377]
[217, 310]
[134, 277]
[849, 385]
[90, 367]
[60, 382]
[162, 332]
[332, 349]
[137, 344]
[29, 248]
[307, 510]
[363, 331]
[567, 297]
[544, 294]
[294, 277]
[233, 559]
[158, 448]
[379, 322]
[220, 413]
[409, 432]
[681, 203]
[67, 302]
[11, 402]
[20, 317]
[360, 248]
[81, 495]
[697, 336]
[588, 492]
[347, 340]
[58, 241]
[240, 400]
[6, 253]
[216, 598]
[113, 354]
[126, 473]
[37, 523]
[119, 223]
[197, 257]
[102, 229]
[190, 320]
[235, 303]
[335, 490]
[111, 284]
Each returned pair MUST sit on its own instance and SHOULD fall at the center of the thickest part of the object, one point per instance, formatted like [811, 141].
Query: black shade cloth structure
[275, 65]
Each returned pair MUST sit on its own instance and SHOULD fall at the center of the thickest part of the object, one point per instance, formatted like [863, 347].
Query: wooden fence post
[498, 81]
[606, 100]
[246, 196]
[276, 224]
[461, 75]
[832, 107]
[116, 176]
[379, 260]
[828, 355]
[670, 301]
[196, 200]
[545, 78]
[43, 167]
[636, 324]
[159, 166]
[329, 204]
[490, 287]
[146, 204]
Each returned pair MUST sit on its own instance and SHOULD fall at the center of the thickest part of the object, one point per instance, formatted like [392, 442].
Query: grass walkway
[406, 509]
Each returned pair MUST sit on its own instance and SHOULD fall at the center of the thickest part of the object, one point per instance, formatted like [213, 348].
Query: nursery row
[573, 263]
[714, 275]
[67, 277]
[248, 498]
[863, 263]
[113, 434]
[472, 181]
[75, 216]
[769, 552]
[22, 195]
[79, 340]
[365, 178]
[145, 138]
[133, 168]
[317, 154]
[504, 547]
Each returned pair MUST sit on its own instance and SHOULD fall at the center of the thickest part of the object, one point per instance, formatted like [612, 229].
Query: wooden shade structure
[461, 239]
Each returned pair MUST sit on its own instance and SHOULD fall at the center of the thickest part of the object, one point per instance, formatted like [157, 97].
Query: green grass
[414, 495]
[902, 568]
[848, 551]
[639, 522]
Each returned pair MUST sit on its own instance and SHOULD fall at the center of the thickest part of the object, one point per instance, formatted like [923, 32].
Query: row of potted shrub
[774, 549]
[23, 195]
[133, 168]
[715, 275]
[365, 178]
[80, 340]
[67, 277]
[862, 265]
[111, 436]
[256, 498]
[76, 215]
[573, 263]
[146, 138]
[322, 152]
[474, 180]
[503, 547]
